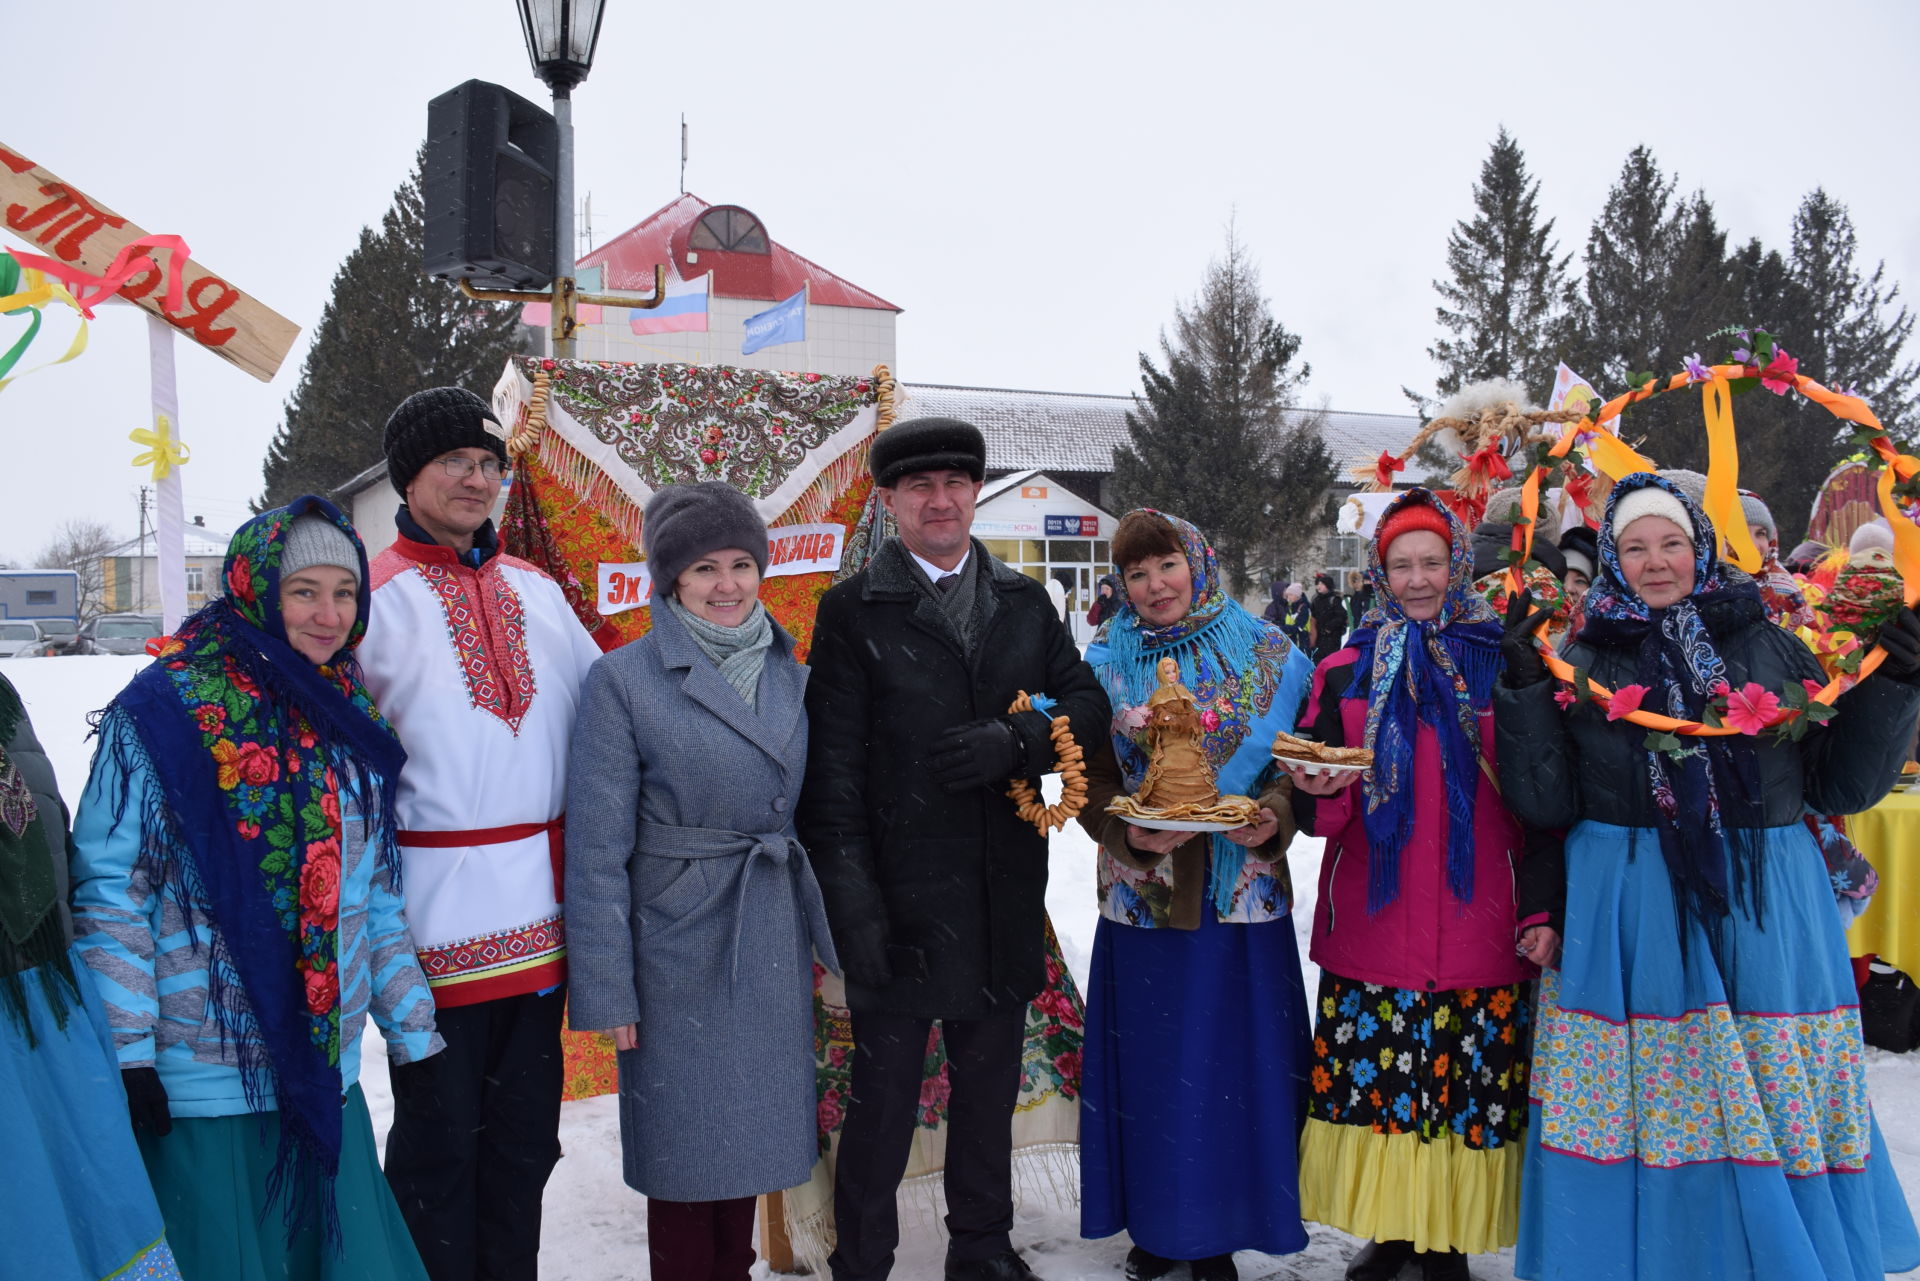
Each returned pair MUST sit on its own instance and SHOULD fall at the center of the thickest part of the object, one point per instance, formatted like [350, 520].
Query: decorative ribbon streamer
[163, 451]
[30, 291]
[128, 263]
[1723, 476]
[1617, 460]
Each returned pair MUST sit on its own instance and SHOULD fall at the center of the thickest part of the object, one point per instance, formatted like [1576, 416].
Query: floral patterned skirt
[1416, 1110]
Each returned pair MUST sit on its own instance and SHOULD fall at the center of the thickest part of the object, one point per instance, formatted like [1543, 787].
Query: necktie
[946, 583]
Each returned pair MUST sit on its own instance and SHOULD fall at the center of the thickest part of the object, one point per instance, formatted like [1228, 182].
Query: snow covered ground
[595, 1227]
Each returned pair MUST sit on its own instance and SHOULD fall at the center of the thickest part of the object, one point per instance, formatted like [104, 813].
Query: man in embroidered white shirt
[477, 659]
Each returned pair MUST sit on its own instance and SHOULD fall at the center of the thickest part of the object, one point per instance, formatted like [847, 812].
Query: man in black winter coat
[934, 885]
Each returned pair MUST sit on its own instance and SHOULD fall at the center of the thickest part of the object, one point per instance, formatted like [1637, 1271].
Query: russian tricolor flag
[684, 311]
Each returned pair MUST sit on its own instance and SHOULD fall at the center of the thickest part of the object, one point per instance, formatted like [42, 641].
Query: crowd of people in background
[1580, 992]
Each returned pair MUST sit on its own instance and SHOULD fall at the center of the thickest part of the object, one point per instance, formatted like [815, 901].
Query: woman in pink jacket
[1418, 1099]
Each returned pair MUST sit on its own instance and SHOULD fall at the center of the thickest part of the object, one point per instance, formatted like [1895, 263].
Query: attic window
[728, 228]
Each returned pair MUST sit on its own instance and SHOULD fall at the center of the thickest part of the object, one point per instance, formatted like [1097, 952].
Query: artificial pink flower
[1813, 688]
[1721, 689]
[1626, 699]
[1752, 709]
[1779, 376]
[1565, 696]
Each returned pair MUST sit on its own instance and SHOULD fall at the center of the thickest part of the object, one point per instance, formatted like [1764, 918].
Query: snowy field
[595, 1228]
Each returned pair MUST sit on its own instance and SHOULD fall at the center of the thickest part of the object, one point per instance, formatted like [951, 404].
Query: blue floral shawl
[251, 744]
[1676, 659]
[1227, 657]
[1440, 671]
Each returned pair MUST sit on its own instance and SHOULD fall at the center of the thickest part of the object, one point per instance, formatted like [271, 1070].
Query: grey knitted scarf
[739, 652]
[959, 606]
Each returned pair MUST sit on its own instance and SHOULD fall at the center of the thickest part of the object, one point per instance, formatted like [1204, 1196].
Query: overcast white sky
[1035, 183]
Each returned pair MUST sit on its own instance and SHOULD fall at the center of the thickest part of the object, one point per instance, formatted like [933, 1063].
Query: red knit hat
[1408, 517]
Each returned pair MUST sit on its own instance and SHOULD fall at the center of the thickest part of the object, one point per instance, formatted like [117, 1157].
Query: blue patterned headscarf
[1439, 671]
[1678, 662]
[1241, 668]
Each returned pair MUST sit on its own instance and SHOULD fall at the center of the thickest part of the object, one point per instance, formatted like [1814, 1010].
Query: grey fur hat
[685, 522]
[314, 540]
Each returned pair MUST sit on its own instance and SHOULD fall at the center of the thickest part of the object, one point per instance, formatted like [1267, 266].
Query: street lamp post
[561, 38]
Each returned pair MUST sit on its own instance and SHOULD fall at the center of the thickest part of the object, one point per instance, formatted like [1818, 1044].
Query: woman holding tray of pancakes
[1418, 1097]
[1196, 1045]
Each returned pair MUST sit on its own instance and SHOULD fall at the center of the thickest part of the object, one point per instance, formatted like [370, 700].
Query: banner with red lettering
[112, 255]
[791, 549]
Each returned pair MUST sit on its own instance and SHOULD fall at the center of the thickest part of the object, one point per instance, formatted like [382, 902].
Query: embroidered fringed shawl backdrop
[592, 440]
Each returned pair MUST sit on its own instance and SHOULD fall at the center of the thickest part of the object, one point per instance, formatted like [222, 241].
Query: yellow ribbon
[39, 291]
[163, 451]
[1612, 455]
[1722, 503]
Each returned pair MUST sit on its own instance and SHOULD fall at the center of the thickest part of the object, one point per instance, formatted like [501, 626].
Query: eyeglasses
[460, 467]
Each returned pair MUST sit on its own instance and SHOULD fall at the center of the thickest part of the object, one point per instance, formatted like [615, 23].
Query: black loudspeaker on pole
[489, 188]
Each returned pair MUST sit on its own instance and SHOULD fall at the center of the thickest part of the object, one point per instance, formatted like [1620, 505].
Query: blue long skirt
[1678, 1133]
[1195, 1088]
[78, 1205]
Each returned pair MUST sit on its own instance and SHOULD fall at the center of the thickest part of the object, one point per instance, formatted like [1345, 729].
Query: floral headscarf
[1439, 671]
[1679, 664]
[1245, 674]
[250, 744]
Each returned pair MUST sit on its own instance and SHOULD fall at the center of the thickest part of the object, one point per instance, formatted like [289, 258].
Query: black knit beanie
[437, 421]
[685, 522]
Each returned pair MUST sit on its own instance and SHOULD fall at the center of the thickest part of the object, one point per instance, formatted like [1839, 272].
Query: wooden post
[775, 1247]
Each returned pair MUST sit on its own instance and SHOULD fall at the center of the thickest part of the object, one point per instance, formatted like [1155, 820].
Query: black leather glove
[1524, 665]
[863, 956]
[1900, 637]
[147, 1101]
[977, 754]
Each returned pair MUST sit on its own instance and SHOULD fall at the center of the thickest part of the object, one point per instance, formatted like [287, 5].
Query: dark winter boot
[1380, 1261]
[1144, 1265]
[1217, 1267]
[1444, 1265]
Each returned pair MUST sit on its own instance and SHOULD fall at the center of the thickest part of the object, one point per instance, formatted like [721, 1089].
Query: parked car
[20, 638]
[60, 636]
[118, 633]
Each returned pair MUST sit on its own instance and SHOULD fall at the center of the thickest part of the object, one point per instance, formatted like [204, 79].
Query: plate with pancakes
[1315, 759]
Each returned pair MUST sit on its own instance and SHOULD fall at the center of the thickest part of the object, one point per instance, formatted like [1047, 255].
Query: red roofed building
[849, 330]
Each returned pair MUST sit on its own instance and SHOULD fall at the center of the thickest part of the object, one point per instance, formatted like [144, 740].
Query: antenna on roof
[683, 153]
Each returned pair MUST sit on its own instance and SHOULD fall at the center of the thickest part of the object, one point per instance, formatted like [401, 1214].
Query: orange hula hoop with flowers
[1618, 460]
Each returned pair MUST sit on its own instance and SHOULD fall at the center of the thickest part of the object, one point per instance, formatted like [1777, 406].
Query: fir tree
[387, 331]
[1856, 327]
[1629, 262]
[1215, 437]
[1505, 301]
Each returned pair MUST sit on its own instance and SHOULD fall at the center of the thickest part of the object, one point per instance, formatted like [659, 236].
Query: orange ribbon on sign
[1618, 460]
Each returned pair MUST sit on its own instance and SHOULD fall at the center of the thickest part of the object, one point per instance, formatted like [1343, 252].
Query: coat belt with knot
[665, 840]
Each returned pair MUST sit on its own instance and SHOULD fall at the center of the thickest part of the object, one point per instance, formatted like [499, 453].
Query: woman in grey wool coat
[692, 912]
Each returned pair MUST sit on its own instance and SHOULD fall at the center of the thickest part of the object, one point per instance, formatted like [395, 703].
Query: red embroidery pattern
[507, 699]
[468, 958]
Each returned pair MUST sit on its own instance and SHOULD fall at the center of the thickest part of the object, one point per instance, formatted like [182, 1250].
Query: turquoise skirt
[210, 1175]
[77, 1205]
[1696, 1123]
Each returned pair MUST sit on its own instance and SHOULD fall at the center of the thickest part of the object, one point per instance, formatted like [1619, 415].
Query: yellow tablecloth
[1889, 835]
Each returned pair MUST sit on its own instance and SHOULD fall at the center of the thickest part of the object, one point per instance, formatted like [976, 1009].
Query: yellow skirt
[1440, 1195]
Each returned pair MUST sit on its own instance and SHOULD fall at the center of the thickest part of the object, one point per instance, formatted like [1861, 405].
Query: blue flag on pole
[783, 322]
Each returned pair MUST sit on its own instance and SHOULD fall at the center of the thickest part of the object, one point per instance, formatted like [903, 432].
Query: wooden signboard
[71, 226]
